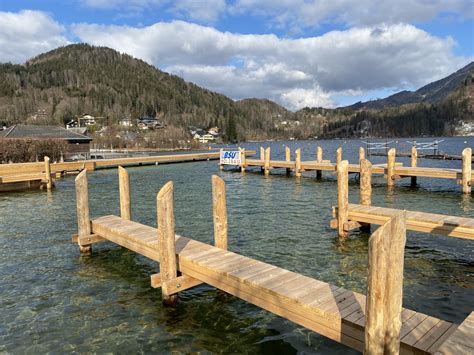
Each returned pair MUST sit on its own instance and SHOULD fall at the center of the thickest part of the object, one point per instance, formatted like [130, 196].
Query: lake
[52, 299]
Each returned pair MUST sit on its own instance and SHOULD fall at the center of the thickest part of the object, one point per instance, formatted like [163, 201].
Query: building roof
[45, 132]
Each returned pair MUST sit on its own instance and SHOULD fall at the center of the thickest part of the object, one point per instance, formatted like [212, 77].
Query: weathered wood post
[219, 210]
[166, 237]
[466, 170]
[47, 173]
[221, 166]
[338, 156]
[391, 168]
[298, 162]
[287, 157]
[365, 197]
[262, 157]
[319, 159]
[361, 154]
[267, 161]
[385, 287]
[414, 158]
[342, 198]
[243, 158]
[124, 189]
[82, 210]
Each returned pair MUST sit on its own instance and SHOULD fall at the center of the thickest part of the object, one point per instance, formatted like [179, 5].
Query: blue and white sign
[230, 157]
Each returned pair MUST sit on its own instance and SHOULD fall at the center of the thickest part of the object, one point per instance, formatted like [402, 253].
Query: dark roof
[30, 131]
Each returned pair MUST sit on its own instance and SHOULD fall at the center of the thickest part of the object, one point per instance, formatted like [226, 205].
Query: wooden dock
[339, 314]
[32, 175]
[392, 170]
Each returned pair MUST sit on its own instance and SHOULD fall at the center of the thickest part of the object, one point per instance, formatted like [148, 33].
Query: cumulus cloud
[304, 13]
[28, 33]
[294, 72]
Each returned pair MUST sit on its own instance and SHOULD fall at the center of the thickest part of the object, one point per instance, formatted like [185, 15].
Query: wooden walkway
[332, 311]
[342, 315]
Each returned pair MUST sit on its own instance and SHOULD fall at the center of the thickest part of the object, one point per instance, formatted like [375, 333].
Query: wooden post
[124, 189]
[385, 287]
[243, 158]
[166, 237]
[262, 157]
[319, 159]
[361, 154]
[267, 161]
[298, 162]
[287, 158]
[342, 198]
[391, 167]
[338, 156]
[219, 210]
[47, 172]
[466, 170]
[221, 166]
[365, 197]
[82, 209]
[414, 158]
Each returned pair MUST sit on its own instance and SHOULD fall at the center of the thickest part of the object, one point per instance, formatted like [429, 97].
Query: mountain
[432, 93]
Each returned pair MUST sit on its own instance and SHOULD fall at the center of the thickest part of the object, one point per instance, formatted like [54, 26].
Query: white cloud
[299, 14]
[294, 72]
[28, 33]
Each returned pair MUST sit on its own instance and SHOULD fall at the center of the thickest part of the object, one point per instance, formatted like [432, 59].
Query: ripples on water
[53, 299]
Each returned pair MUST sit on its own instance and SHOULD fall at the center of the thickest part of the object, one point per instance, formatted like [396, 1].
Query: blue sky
[296, 52]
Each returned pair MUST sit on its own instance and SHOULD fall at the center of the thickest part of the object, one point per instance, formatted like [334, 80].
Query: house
[214, 131]
[77, 143]
[71, 124]
[205, 138]
[86, 120]
[126, 122]
[150, 123]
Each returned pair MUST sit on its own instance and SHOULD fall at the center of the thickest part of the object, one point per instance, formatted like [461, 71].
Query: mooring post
[385, 287]
[298, 162]
[243, 158]
[124, 189]
[414, 158]
[365, 197]
[267, 161]
[287, 157]
[361, 154]
[219, 209]
[166, 237]
[342, 198]
[262, 158]
[391, 168]
[47, 172]
[466, 170]
[319, 159]
[338, 156]
[82, 210]
[221, 166]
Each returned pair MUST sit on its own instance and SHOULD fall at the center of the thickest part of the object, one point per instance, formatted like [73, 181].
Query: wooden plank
[461, 341]
[178, 284]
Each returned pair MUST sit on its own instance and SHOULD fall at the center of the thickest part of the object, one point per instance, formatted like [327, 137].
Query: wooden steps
[332, 311]
[452, 226]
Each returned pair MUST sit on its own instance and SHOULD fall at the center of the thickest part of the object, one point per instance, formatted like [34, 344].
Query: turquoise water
[54, 300]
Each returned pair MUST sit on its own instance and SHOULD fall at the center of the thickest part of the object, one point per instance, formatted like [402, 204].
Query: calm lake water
[54, 300]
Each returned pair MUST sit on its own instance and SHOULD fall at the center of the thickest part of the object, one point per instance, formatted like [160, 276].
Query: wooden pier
[374, 324]
[20, 176]
[392, 170]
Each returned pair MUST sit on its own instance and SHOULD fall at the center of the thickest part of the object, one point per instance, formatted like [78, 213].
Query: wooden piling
[466, 170]
[242, 159]
[287, 157]
[219, 210]
[319, 159]
[262, 153]
[342, 198]
[47, 172]
[361, 154]
[385, 287]
[365, 197]
[414, 158]
[267, 161]
[298, 162]
[391, 168]
[221, 166]
[338, 155]
[166, 237]
[82, 210]
[124, 189]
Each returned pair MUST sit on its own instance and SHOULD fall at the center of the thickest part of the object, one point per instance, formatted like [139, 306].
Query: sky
[298, 53]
